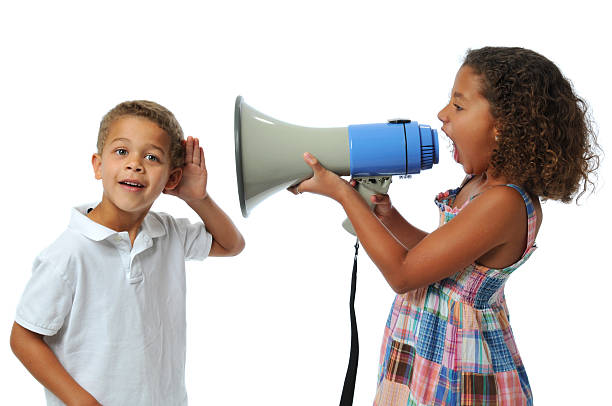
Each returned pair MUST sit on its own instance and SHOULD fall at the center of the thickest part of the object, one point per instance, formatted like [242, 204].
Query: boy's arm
[227, 240]
[38, 358]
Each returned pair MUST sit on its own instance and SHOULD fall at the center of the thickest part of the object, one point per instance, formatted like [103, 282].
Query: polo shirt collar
[79, 222]
[152, 226]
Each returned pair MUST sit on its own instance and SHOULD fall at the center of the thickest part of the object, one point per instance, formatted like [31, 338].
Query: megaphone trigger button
[399, 121]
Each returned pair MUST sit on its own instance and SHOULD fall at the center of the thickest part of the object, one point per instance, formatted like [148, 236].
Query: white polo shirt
[114, 315]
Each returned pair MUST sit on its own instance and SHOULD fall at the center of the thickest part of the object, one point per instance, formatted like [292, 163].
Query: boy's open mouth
[131, 184]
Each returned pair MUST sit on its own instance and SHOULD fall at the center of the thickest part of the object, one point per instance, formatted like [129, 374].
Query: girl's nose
[442, 115]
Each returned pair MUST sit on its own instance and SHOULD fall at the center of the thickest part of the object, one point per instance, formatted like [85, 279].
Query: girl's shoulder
[515, 215]
[514, 197]
[505, 200]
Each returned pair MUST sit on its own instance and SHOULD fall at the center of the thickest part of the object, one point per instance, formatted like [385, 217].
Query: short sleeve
[46, 301]
[197, 240]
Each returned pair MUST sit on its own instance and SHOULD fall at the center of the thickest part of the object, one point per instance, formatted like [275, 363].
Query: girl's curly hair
[546, 141]
[154, 112]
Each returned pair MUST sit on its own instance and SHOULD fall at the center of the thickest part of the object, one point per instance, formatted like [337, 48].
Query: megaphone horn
[269, 152]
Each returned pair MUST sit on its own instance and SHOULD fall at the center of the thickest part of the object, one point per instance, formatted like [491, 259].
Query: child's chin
[133, 208]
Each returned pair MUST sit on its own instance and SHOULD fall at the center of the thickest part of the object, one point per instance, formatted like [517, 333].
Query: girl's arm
[482, 226]
[407, 234]
[42, 363]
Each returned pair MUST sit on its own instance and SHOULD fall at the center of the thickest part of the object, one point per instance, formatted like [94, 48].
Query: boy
[102, 320]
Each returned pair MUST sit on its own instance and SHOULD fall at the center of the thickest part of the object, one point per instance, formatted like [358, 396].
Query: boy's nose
[134, 166]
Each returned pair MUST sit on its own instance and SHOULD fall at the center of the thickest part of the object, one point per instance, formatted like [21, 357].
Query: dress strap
[465, 180]
[531, 216]
[456, 191]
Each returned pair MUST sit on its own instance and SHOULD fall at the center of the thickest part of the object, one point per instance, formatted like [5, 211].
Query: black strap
[351, 372]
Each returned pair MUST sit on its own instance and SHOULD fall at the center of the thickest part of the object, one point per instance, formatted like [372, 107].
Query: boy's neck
[110, 216]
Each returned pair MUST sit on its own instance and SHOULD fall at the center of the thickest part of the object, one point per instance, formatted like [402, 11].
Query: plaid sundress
[450, 343]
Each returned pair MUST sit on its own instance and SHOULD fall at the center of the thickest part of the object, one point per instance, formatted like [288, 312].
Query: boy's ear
[96, 162]
[175, 178]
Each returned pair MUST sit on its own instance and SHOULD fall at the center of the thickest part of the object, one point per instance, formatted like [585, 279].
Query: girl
[521, 134]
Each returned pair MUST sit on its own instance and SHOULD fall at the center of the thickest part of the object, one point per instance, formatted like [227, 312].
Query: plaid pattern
[446, 393]
[402, 359]
[478, 389]
[451, 343]
[431, 338]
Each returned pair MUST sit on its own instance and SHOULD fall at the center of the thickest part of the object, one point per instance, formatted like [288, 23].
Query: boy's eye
[457, 107]
[150, 157]
[121, 151]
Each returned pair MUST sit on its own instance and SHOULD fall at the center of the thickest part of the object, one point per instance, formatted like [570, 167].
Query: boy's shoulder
[157, 224]
[191, 238]
[70, 245]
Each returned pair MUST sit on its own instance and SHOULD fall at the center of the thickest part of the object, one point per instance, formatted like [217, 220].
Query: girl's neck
[486, 180]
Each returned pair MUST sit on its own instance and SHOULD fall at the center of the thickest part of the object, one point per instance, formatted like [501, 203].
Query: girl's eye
[457, 107]
[121, 151]
[151, 157]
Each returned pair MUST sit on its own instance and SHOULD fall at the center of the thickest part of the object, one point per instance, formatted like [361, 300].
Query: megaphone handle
[368, 187]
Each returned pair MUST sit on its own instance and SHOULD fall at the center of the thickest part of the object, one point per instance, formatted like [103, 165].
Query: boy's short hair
[154, 112]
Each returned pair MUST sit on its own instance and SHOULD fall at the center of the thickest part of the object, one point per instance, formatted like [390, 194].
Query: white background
[271, 326]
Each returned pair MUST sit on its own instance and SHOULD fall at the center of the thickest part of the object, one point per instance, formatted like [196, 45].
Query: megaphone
[269, 153]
